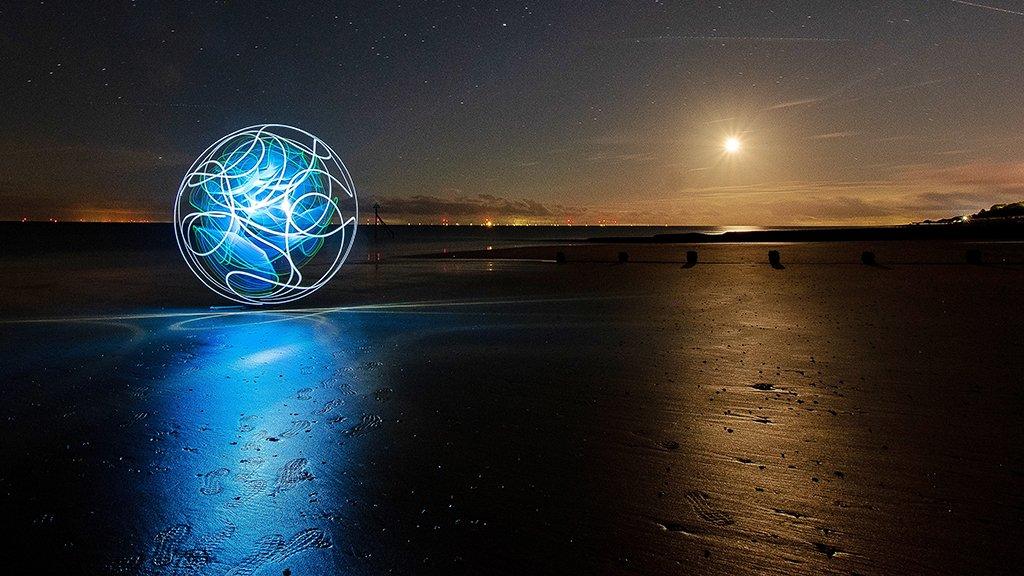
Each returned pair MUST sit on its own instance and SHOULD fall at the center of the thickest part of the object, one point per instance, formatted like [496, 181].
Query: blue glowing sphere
[266, 215]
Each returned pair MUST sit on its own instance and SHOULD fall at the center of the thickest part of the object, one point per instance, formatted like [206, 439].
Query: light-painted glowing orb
[266, 215]
[732, 145]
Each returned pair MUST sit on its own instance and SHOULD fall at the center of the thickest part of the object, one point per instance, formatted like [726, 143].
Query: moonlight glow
[266, 215]
[732, 145]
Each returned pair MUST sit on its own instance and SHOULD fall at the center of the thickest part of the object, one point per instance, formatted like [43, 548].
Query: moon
[732, 145]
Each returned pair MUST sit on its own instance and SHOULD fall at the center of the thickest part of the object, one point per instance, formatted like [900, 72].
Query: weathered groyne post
[691, 259]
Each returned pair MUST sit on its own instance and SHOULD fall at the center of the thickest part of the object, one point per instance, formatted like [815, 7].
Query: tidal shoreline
[507, 417]
[1003, 230]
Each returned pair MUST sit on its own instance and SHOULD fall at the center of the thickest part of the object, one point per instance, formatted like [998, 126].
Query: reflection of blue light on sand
[278, 353]
[246, 406]
[206, 320]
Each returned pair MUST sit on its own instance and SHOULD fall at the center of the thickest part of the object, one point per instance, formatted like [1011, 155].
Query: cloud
[962, 188]
[802, 202]
[830, 209]
[92, 183]
[998, 177]
[913, 193]
[931, 191]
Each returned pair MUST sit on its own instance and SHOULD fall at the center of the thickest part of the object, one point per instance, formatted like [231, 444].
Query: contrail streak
[992, 8]
[738, 38]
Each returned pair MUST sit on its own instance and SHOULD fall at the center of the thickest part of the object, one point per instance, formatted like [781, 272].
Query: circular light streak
[266, 215]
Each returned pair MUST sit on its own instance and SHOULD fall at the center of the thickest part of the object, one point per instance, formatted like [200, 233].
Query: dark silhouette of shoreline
[73, 237]
[1001, 230]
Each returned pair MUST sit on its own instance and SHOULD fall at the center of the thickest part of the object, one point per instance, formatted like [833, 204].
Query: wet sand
[490, 416]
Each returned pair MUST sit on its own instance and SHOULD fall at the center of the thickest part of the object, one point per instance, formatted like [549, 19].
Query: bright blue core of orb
[263, 211]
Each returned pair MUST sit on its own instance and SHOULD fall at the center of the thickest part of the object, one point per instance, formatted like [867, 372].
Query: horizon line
[499, 225]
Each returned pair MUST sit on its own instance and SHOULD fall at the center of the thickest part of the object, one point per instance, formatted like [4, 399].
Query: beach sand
[494, 416]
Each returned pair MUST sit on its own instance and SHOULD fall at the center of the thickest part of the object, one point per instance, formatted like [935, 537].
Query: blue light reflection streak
[251, 431]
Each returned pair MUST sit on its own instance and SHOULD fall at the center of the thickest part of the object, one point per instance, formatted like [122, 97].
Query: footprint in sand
[125, 566]
[340, 385]
[139, 392]
[254, 486]
[189, 562]
[273, 548]
[255, 441]
[211, 481]
[366, 423]
[701, 504]
[264, 549]
[215, 540]
[330, 405]
[304, 540]
[136, 418]
[304, 394]
[247, 423]
[252, 464]
[291, 474]
[296, 427]
[167, 542]
[171, 555]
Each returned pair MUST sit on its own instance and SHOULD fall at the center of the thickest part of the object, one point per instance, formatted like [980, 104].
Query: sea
[397, 240]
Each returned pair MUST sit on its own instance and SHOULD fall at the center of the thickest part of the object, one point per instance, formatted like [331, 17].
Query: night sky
[587, 112]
